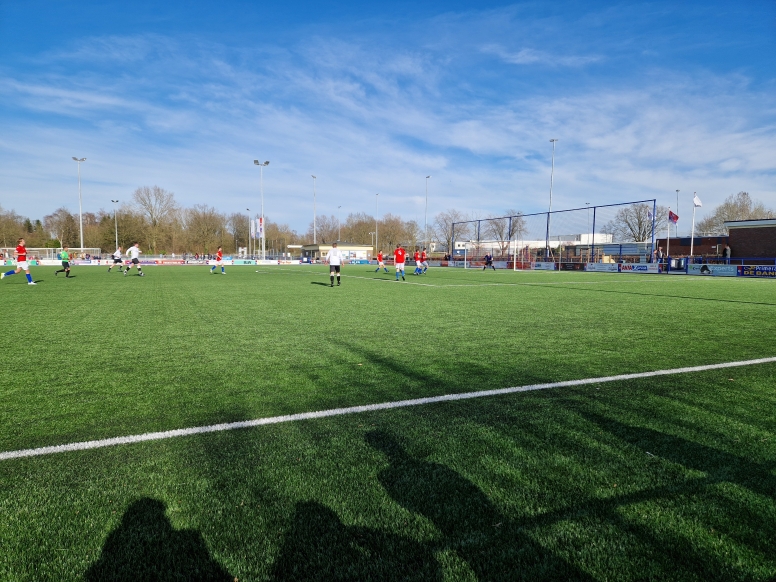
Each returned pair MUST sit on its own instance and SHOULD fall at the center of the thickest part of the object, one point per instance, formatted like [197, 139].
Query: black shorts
[65, 265]
[116, 261]
[135, 261]
[334, 268]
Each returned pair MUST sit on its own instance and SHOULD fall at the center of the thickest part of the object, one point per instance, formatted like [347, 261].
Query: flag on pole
[260, 227]
[696, 201]
[253, 229]
[673, 217]
[649, 213]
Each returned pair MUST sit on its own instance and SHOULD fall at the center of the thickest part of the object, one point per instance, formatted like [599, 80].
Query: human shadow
[320, 547]
[494, 547]
[146, 547]
[319, 283]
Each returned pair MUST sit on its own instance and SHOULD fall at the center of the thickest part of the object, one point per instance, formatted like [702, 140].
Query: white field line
[168, 434]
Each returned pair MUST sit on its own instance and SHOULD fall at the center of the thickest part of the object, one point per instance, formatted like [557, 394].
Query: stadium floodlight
[263, 226]
[314, 229]
[80, 213]
[116, 221]
[549, 213]
[425, 217]
[248, 210]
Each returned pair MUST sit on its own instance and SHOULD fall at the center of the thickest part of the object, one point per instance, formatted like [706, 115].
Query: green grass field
[664, 478]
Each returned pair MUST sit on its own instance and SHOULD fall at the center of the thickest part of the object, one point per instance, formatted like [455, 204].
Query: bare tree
[442, 228]
[735, 207]
[634, 223]
[326, 229]
[357, 228]
[62, 226]
[205, 228]
[157, 206]
[11, 227]
[505, 228]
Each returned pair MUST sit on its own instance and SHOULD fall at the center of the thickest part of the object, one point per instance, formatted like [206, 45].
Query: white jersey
[334, 257]
[133, 252]
[117, 254]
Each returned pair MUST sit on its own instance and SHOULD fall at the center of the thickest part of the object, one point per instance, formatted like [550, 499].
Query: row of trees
[161, 225]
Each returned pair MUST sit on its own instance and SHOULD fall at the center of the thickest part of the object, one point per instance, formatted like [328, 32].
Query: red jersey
[219, 255]
[417, 257]
[379, 257]
[21, 252]
[423, 256]
[398, 255]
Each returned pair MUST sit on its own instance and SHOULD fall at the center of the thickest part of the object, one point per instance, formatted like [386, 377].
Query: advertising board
[713, 270]
[640, 268]
[572, 266]
[602, 267]
[756, 270]
[543, 266]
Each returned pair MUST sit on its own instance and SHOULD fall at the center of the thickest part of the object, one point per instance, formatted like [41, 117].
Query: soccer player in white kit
[116, 259]
[133, 253]
[334, 258]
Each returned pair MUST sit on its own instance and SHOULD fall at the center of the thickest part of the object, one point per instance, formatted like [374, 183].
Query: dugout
[351, 251]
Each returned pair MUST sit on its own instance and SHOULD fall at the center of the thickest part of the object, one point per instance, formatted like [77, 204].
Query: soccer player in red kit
[21, 263]
[399, 256]
[219, 262]
[380, 262]
[416, 256]
[424, 260]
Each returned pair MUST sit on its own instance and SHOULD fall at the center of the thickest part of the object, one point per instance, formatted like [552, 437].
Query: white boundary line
[156, 436]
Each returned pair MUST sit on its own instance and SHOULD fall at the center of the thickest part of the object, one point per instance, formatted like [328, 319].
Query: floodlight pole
[549, 213]
[339, 223]
[261, 186]
[425, 219]
[116, 221]
[315, 239]
[377, 217]
[80, 213]
[248, 210]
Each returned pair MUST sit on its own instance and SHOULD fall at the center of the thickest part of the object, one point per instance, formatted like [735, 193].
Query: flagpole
[668, 235]
[692, 235]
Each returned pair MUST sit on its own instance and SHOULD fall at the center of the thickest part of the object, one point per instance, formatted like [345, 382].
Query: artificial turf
[670, 478]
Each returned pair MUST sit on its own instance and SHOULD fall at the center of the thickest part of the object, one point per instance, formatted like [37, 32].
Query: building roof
[759, 223]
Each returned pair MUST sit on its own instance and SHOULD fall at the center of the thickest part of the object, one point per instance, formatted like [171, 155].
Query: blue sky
[644, 98]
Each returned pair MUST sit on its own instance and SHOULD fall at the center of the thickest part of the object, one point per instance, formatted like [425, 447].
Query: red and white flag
[673, 217]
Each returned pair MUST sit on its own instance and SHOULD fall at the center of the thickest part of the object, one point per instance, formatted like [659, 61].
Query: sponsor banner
[756, 271]
[243, 262]
[714, 270]
[225, 262]
[602, 267]
[640, 268]
[543, 266]
[572, 266]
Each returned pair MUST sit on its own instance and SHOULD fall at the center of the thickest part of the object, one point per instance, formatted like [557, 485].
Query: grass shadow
[146, 547]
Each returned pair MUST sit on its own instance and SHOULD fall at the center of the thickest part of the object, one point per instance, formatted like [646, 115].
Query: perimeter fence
[624, 232]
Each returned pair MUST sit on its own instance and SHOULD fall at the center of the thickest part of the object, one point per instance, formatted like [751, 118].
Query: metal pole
[588, 231]
[315, 240]
[692, 234]
[654, 218]
[80, 213]
[248, 242]
[668, 238]
[552, 175]
[116, 221]
[339, 223]
[425, 218]
[377, 218]
[592, 240]
[677, 211]
[261, 187]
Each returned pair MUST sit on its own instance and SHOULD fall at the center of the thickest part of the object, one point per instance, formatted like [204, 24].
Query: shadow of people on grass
[320, 547]
[146, 547]
[494, 547]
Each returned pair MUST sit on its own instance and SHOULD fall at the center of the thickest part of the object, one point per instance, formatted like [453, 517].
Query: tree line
[161, 225]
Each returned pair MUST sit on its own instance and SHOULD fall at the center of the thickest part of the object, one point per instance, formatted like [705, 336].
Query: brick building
[705, 246]
[752, 238]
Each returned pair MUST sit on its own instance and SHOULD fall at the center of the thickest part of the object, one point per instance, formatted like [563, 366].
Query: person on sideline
[21, 263]
[334, 258]
[488, 262]
[64, 256]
